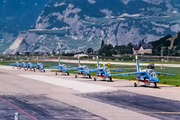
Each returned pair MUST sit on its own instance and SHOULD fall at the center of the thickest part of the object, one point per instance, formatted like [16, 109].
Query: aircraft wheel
[135, 84]
[89, 76]
[75, 76]
[44, 70]
[155, 85]
[19, 68]
[25, 69]
[110, 79]
[94, 79]
[13, 68]
[67, 73]
[34, 70]
[56, 73]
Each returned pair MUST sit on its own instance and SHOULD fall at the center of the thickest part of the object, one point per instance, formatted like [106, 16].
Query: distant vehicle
[62, 68]
[147, 76]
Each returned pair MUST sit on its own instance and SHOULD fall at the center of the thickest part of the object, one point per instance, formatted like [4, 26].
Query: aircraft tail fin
[97, 62]
[37, 60]
[59, 61]
[79, 62]
[137, 65]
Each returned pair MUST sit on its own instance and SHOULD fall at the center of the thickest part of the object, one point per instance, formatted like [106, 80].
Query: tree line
[109, 50]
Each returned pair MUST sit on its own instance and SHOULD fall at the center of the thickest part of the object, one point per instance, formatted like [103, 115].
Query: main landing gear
[89, 76]
[110, 79]
[75, 76]
[136, 84]
[155, 85]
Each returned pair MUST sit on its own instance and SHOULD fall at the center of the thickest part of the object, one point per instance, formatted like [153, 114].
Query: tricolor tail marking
[137, 65]
[97, 62]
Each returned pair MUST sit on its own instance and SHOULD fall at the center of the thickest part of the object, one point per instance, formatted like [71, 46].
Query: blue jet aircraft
[82, 70]
[19, 65]
[104, 72]
[39, 66]
[30, 66]
[16, 64]
[147, 76]
[23, 65]
[62, 68]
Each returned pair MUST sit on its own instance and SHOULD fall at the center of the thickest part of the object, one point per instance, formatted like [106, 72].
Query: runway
[45, 96]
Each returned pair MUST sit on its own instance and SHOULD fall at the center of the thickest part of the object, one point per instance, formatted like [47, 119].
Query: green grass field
[169, 80]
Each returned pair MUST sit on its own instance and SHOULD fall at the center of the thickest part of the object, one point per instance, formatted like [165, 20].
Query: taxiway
[45, 96]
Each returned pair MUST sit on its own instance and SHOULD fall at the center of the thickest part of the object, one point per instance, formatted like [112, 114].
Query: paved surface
[154, 106]
[113, 63]
[36, 95]
[42, 108]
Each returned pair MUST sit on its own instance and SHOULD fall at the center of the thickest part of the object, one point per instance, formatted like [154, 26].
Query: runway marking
[76, 85]
[18, 108]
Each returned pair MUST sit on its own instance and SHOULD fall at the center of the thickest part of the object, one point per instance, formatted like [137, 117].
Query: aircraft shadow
[145, 86]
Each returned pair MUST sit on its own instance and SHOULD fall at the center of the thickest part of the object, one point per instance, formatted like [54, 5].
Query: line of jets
[28, 66]
[146, 76]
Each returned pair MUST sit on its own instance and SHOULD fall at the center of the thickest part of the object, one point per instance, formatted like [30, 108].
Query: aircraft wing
[88, 70]
[34, 65]
[132, 73]
[118, 70]
[52, 67]
[81, 71]
[73, 68]
[164, 73]
[95, 70]
[10, 64]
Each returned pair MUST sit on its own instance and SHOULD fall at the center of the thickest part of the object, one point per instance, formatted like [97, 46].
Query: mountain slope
[16, 16]
[86, 22]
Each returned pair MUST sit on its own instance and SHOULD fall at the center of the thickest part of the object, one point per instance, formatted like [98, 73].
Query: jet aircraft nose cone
[108, 74]
[155, 79]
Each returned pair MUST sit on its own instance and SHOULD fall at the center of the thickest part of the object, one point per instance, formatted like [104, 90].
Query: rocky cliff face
[69, 24]
[16, 16]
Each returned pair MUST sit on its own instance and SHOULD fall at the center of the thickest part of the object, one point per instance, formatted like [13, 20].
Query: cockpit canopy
[64, 66]
[85, 67]
[41, 65]
[29, 64]
[151, 72]
[106, 70]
